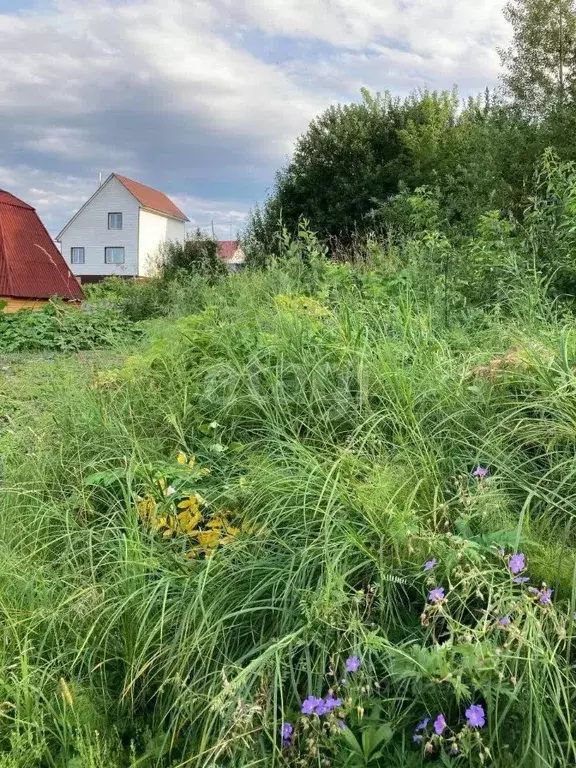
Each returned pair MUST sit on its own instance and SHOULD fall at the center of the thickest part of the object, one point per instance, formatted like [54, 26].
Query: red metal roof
[152, 198]
[31, 266]
[227, 249]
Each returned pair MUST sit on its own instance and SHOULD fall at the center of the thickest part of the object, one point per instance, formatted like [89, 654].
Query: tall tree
[541, 62]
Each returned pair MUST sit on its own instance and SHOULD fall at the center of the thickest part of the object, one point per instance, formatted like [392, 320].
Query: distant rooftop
[230, 251]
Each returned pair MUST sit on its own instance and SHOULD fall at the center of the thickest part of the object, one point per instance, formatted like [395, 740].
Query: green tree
[348, 156]
[197, 255]
[540, 64]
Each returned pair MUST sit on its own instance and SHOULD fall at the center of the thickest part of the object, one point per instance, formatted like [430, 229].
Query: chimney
[99, 179]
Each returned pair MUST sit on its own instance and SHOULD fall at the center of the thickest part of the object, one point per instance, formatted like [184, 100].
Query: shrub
[198, 255]
[65, 329]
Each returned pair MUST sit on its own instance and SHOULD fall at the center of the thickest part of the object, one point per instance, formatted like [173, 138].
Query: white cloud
[203, 98]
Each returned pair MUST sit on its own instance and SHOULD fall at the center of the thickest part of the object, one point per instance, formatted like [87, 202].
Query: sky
[204, 99]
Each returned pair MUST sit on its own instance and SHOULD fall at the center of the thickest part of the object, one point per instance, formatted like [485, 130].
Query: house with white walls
[119, 230]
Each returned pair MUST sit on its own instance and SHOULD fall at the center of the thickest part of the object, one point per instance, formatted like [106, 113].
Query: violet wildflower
[533, 591]
[480, 473]
[504, 621]
[310, 705]
[475, 716]
[430, 564]
[546, 596]
[352, 664]
[328, 705]
[421, 726]
[440, 725]
[436, 595]
[521, 579]
[286, 732]
[341, 725]
[517, 563]
[416, 738]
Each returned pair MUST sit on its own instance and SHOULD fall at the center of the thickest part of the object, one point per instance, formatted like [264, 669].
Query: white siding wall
[89, 230]
[153, 231]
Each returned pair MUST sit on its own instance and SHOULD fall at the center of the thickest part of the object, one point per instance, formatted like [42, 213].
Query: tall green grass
[344, 428]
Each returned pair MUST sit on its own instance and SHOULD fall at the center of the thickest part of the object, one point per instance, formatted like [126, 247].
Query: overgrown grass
[341, 422]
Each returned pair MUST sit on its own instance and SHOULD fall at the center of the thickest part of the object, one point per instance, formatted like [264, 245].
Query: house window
[114, 221]
[114, 255]
[76, 255]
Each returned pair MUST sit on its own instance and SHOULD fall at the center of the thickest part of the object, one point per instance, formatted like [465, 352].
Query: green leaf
[106, 478]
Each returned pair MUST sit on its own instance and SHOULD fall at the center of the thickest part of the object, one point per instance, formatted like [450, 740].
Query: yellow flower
[188, 521]
[216, 522]
[208, 539]
[183, 459]
[192, 502]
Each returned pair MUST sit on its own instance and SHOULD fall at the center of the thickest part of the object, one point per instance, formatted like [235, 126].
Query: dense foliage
[323, 518]
[197, 255]
[477, 156]
[65, 329]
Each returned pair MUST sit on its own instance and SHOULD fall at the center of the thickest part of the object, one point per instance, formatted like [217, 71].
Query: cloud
[205, 98]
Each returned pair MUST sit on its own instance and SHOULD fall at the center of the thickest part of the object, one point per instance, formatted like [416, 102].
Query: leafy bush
[65, 329]
[150, 298]
[198, 255]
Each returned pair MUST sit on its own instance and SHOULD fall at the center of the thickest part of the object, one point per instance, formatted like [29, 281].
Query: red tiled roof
[152, 198]
[31, 266]
[227, 249]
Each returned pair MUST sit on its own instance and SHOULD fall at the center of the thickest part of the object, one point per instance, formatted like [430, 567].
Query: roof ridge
[31, 265]
[151, 198]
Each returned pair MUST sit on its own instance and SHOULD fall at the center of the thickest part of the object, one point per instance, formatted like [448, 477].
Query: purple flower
[286, 732]
[475, 716]
[341, 725]
[310, 705]
[422, 725]
[517, 563]
[352, 664]
[436, 595]
[430, 564]
[521, 579]
[533, 591]
[546, 596]
[416, 738]
[440, 725]
[480, 473]
[328, 705]
[504, 621]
